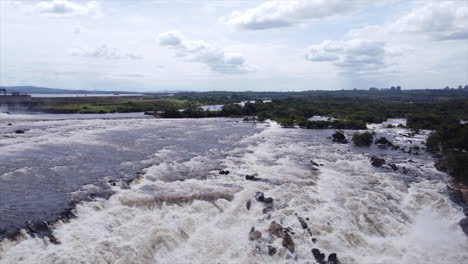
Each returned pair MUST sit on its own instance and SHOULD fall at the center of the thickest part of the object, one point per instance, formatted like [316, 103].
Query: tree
[363, 139]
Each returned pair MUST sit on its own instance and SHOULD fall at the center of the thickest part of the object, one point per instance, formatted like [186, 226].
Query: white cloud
[281, 13]
[357, 56]
[441, 20]
[199, 51]
[105, 52]
[67, 8]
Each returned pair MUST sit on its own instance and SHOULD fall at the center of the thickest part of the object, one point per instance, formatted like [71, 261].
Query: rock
[314, 240]
[268, 200]
[377, 162]
[319, 256]
[259, 197]
[313, 163]
[248, 204]
[271, 250]
[288, 242]
[276, 229]
[255, 235]
[393, 166]
[333, 259]
[224, 172]
[19, 131]
[464, 225]
[9, 124]
[302, 222]
[251, 178]
[267, 209]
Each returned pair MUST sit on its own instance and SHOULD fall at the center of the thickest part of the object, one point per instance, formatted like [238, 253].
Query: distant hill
[44, 90]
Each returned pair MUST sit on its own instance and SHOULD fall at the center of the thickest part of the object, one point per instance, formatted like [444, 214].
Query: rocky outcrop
[19, 131]
[377, 162]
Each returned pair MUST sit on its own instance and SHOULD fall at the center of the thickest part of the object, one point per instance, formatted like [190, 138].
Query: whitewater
[143, 190]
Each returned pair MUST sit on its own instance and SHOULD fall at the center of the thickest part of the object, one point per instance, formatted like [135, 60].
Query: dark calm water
[41, 178]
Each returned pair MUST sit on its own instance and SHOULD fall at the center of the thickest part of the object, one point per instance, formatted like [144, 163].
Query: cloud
[66, 8]
[358, 56]
[105, 52]
[281, 13]
[199, 51]
[443, 20]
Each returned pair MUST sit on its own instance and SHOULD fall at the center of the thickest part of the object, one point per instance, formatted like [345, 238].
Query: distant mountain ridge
[45, 90]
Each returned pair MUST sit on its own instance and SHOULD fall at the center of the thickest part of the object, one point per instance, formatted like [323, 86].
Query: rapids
[161, 198]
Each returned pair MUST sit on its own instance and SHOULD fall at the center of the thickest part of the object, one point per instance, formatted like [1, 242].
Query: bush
[286, 122]
[366, 116]
[348, 124]
[363, 139]
[428, 120]
[339, 137]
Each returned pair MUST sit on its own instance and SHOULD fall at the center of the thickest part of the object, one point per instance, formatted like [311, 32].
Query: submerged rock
[393, 166]
[19, 131]
[464, 225]
[224, 172]
[377, 162]
[251, 178]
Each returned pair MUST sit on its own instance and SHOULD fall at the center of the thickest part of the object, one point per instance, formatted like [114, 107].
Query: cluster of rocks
[287, 246]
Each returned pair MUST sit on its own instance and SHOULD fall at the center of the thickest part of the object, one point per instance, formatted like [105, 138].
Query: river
[146, 190]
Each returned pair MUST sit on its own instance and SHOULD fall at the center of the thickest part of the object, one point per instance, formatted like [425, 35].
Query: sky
[274, 45]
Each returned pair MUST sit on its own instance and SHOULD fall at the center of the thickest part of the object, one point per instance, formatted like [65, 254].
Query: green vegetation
[339, 137]
[450, 144]
[363, 139]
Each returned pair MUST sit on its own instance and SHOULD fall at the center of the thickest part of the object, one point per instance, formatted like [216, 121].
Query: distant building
[460, 87]
[373, 89]
[466, 87]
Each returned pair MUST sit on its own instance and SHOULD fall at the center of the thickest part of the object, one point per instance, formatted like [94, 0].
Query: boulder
[255, 235]
[333, 259]
[302, 222]
[464, 225]
[268, 200]
[248, 204]
[319, 256]
[288, 242]
[259, 196]
[377, 162]
[313, 163]
[393, 166]
[251, 178]
[276, 229]
[271, 250]
[19, 131]
[224, 172]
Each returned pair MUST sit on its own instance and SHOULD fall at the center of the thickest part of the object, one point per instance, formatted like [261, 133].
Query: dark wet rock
[248, 204]
[268, 200]
[377, 162]
[314, 240]
[405, 170]
[271, 250]
[267, 209]
[251, 178]
[313, 163]
[19, 131]
[456, 196]
[255, 235]
[441, 164]
[393, 166]
[41, 229]
[276, 229]
[333, 259]
[464, 225]
[224, 172]
[259, 196]
[302, 222]
[9, 124]
[318, 256]
[288, 242]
